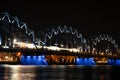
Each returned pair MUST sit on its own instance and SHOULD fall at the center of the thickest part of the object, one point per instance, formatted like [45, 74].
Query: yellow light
[54, 48]
[24, 45]
[14, 40]
[102, 53]
[6, 57]
[18, 54]
[74, 50]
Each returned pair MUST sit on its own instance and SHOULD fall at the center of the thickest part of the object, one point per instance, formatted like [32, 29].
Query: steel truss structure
[57, 31]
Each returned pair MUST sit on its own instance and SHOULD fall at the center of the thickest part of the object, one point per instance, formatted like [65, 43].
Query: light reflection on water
[59, 72]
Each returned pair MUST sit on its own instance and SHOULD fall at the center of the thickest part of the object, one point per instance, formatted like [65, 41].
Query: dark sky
[87, 17]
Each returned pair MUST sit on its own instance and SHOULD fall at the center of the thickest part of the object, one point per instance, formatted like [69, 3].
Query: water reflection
[59, 72]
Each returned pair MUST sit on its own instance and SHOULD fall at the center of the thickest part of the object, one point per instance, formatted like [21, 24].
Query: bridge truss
[104, 44]
[15, 31]
[16, 34]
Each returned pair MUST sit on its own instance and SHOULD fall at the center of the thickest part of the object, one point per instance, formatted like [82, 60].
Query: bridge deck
[62, 52]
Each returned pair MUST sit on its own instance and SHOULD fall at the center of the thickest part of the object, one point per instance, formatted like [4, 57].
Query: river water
[59, 72]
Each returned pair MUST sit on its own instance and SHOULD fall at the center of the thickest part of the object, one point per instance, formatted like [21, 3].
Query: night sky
[87, 17]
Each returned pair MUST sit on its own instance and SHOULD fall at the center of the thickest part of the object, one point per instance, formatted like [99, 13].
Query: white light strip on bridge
[58, 49]
[54, 48]
[24, 45]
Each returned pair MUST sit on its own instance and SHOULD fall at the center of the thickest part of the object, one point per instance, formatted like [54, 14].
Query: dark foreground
[59, 72]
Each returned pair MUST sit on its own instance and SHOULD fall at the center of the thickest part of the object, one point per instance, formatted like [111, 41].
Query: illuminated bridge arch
[63, 36]
[104, 44]
[5, 18]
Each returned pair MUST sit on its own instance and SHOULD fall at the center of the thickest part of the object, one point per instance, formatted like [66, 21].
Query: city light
[15, 40]
[53, 48]
[24, 45]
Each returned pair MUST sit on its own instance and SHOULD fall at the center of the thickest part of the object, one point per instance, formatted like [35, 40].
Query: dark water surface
[59, 72]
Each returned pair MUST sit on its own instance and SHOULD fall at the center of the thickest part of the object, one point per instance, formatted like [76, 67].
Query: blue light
[114, 61]
[33, 60]
[109, 61]
[43, 56]
[23, 59]
[34, 56]
[118, 61]
[85, 61]
[28, 59]
[39, 57]
[80, 60]
[77, 59]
